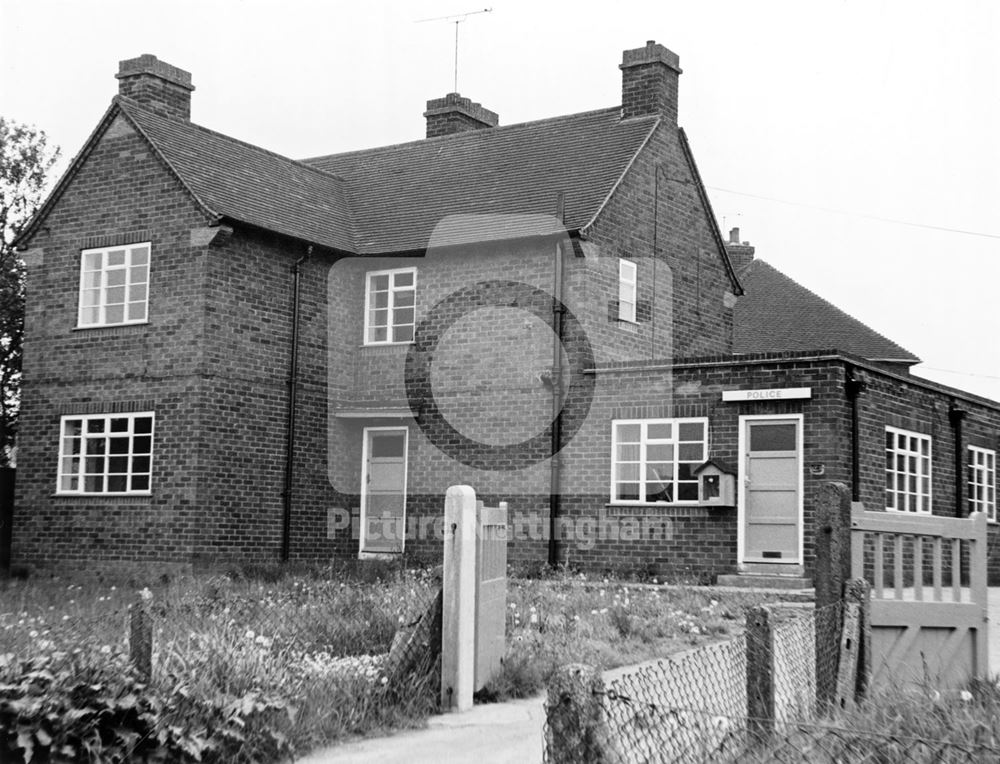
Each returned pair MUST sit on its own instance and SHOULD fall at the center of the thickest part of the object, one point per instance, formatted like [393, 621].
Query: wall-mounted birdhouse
[716, 484]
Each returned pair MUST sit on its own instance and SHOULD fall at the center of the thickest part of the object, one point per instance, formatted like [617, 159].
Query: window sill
[99, 327]
[653, 504]
[386, 345]
[102, 498]
[663, 510]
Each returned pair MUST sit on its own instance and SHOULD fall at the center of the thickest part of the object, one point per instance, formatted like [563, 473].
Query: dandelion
[966, 696]
[33, 634]
[106, 650]
[146, 595]
[593, 612]
[534, 617]
[384, 680]
[250, 634]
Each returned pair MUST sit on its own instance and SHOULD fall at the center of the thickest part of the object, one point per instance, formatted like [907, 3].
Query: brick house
[231, 355]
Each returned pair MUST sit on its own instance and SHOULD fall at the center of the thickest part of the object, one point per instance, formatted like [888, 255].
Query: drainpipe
[293, 383]
[557, 402]
[955, 415]
[853, 387]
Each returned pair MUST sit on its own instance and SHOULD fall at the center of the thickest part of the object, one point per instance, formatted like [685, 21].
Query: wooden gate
[929, 595]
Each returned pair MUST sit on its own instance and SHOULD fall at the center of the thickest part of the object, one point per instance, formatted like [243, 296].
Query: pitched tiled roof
[400, 193]
[779, 314]
[246, 183]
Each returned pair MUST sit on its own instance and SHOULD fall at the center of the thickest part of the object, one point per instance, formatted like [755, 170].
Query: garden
[268, 664]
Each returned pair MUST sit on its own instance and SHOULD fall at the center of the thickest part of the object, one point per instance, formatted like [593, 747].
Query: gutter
[293, 383]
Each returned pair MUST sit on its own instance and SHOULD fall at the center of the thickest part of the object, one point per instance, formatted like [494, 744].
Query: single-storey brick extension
[234, 356]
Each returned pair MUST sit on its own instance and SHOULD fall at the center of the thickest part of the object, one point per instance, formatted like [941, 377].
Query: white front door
[770, 502]
[383, 490]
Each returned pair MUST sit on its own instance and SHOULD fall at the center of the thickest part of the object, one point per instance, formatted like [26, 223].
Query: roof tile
[779, 314]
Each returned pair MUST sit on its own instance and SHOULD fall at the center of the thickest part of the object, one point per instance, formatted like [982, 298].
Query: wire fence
[767, 695]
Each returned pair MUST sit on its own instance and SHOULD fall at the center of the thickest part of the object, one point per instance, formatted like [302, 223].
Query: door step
[765, 581]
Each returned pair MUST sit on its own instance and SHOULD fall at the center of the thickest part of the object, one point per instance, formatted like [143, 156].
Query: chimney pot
[455, 114]
[649, 81]
[156, 85]
[740, 254]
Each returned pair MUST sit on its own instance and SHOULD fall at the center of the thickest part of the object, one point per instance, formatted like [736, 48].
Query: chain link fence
[769, 694]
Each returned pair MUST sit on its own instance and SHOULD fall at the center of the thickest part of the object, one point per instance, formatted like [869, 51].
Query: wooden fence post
[140, 640]
[576, 729]
[833, 568]
[458, 605]
[760, 676]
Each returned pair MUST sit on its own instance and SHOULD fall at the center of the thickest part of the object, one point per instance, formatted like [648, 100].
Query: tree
[25, 161]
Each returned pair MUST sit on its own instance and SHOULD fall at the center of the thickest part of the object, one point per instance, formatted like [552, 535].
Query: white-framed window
[390, 303]
[114, 285]
[627, 280]
[983, 482]
[907, 471]
[109, 454]
[653, 460]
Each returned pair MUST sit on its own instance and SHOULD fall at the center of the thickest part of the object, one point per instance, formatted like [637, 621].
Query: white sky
[845, 110]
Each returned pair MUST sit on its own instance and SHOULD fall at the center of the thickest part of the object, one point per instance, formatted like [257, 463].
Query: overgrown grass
[901, 724]
[247, 667]
[573, 619]
[268, 662]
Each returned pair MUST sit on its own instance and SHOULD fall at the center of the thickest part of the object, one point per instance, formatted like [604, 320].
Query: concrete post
[832, 569]
[459, 599]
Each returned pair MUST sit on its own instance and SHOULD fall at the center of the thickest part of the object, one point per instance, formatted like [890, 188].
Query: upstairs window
[983, 482]
[106, 454]
[114, 285]
[627, 279]
[390, 300]
[653, 460]
[907, 471]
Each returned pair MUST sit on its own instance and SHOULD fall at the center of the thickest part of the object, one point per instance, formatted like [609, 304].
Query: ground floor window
[106, 453]
[983, 481]
[653, 460]
[907, 471]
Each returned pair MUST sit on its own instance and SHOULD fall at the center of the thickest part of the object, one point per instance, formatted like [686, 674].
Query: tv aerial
[457, 19]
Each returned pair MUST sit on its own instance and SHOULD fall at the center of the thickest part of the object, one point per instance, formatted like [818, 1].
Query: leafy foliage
[25, 161]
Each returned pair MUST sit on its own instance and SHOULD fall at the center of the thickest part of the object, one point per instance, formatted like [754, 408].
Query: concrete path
[504, 733]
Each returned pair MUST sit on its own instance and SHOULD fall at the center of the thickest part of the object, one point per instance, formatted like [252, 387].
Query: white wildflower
[966, 696]
[106, 650]
[146, 595]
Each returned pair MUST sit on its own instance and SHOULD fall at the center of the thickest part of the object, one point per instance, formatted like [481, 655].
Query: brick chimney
[454, 114]
[740, 254]
[156, 85]
[649, 82]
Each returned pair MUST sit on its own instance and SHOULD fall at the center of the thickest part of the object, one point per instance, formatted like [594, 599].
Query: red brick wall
[121, 194]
